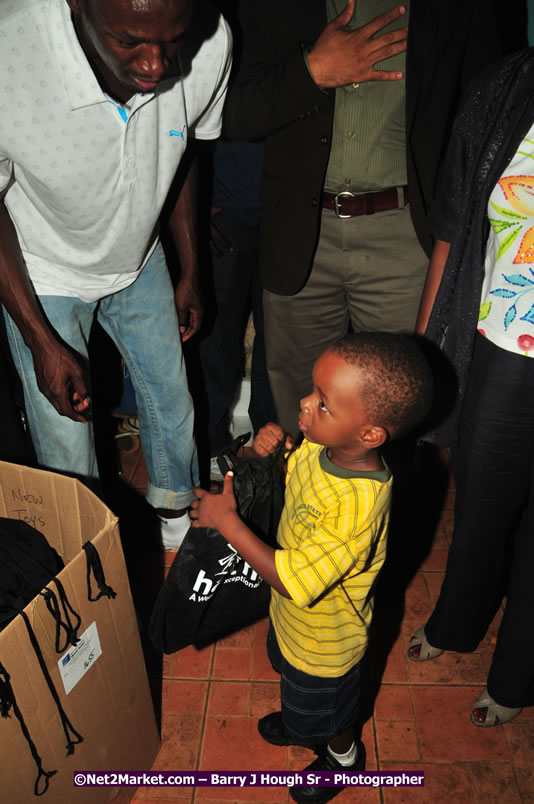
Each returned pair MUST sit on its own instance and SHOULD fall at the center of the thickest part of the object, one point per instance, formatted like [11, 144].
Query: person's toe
[414, 651]
[480, 714]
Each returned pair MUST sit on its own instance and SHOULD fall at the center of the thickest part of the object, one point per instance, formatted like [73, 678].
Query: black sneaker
[272, 729]
[326, 762]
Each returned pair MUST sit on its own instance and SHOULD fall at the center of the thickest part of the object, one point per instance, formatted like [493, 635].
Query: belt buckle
[343, 194]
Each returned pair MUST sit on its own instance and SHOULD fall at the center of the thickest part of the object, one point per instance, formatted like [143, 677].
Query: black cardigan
[495, 115]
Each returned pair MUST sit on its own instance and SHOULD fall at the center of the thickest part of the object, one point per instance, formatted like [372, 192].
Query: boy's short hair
[397, 386]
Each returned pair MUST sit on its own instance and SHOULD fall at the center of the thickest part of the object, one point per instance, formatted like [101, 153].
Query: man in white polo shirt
[97, 102]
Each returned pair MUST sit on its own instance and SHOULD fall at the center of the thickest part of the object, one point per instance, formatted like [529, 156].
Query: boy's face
[334, 414]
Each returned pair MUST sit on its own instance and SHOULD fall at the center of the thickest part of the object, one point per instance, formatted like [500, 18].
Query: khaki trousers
[368, 274]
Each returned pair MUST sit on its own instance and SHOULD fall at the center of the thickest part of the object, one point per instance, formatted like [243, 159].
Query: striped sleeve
[336, 546]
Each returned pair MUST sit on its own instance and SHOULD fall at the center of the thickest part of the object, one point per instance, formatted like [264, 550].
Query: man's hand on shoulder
[60, 378]
[341, 57]
[188, 307]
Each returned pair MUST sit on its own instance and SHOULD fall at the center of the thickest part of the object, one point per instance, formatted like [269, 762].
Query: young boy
[367, 388]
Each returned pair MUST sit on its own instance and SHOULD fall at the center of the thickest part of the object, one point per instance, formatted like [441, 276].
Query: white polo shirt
[83, 178]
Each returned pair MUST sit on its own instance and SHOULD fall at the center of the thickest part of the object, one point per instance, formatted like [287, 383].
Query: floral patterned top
[507, 303]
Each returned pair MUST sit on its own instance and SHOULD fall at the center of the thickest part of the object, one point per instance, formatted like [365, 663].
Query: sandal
[425, 649]
[495, 714]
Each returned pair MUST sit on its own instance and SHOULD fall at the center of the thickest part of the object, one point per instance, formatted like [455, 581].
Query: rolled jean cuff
[165, 498]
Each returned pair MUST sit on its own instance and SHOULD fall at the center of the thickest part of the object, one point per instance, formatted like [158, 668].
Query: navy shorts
[315, 707]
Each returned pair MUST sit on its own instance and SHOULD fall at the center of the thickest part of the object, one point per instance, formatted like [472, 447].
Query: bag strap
[227, 457]
[72, 736]
[53, 606]
[94, 564]
[7, 702]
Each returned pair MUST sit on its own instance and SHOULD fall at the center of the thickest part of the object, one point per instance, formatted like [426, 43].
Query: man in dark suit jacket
[330, 89]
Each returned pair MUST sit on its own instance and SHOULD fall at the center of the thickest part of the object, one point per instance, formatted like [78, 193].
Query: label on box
[75, 663]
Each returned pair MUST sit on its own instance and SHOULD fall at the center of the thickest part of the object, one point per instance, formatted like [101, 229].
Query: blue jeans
[142, 322]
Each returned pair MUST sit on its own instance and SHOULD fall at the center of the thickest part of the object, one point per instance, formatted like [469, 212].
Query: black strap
[53, 606]
[65, 722]
[7, 702]
[227, 456]
[94, 564]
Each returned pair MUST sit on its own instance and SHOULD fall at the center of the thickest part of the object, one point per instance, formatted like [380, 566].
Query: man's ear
[373, 436]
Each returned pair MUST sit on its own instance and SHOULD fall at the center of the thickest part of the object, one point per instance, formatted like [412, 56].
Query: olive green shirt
[369, 135]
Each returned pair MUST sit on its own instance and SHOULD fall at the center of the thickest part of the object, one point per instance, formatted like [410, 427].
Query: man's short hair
[396, 379]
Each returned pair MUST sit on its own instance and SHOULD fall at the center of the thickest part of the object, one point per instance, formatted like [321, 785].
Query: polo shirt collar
[79, 81]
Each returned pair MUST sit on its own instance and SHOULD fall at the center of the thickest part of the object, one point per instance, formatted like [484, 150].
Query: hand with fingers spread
[341, 56]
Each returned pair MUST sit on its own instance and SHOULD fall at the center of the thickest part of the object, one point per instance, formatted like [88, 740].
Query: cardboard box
[110, 704]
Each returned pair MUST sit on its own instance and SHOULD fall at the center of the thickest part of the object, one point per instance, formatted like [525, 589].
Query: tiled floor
[211, 700]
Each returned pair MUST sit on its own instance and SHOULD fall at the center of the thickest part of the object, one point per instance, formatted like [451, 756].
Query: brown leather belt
[346, 204]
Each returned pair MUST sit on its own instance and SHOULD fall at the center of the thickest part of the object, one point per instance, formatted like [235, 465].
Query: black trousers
[493, 469]
[236, 290]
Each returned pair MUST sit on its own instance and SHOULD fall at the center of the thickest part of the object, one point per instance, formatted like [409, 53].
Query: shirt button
[350, 134]
[324, 140]
[314, 202]
[355, 86]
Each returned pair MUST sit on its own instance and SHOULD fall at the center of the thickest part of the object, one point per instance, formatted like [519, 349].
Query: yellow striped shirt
[333, 529]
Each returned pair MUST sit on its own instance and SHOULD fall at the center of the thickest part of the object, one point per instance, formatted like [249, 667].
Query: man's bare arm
[183, 226]
[59, 374]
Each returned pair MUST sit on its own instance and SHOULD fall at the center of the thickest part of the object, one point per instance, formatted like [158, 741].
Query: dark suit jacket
[274, 97]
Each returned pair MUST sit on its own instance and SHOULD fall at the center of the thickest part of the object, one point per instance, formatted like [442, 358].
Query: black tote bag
[210, 590]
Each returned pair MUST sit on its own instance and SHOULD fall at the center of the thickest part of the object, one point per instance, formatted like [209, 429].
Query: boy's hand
[219, 511]
[214, 510]
[268, 438]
